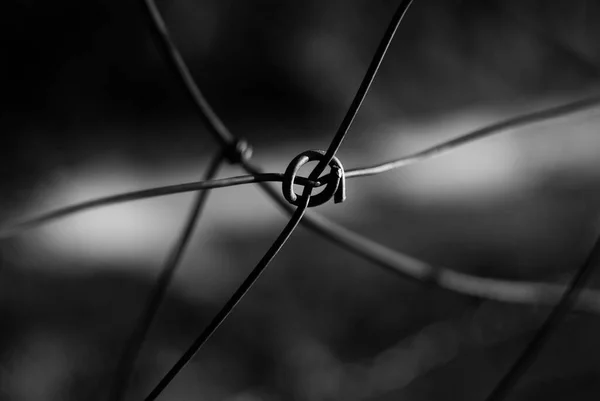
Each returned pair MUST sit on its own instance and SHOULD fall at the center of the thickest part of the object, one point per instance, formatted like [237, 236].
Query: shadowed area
[92, 110]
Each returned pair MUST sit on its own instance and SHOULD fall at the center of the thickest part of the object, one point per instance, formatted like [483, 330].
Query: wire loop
[335, 181]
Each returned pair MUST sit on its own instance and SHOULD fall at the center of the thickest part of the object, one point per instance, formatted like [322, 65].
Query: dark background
[90, 108]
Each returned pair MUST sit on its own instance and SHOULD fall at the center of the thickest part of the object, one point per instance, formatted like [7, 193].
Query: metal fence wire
[238, 152]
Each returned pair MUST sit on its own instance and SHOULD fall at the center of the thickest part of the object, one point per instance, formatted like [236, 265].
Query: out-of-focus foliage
[90, 108]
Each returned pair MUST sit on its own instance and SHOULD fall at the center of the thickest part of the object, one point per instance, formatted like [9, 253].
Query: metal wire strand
[181, 70]
[421, 156]
[137, 338]
[395, 261]
[235, 298]
[363, 88]
[526, 359]
[408, 267]
[60, 213]
[366, 248]
[481, 133]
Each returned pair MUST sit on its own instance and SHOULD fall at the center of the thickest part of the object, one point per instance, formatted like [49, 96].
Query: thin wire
[395, 261]
[363, 88]
[555, 317]
[235, 298]
[176, 62]
[255, 177]
[409, 267]
[137, 338]
[496, 128]
[406, 266]
[317, 223]
[57, 214]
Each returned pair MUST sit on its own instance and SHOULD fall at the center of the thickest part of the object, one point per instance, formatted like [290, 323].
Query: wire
[363, 88]
[542, 336]
[137, 338]
[409, 267]
[505, 291]
[235, 298]
[177, 63]
[348, 239]
[254, 177]
[493, 129]
[395, 261]
[385, 257]
[60, 213]
[298, 213]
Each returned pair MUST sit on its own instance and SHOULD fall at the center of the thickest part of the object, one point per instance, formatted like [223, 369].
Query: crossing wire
[305, 199]
[237, 151]
[137, 338]
[560, 310]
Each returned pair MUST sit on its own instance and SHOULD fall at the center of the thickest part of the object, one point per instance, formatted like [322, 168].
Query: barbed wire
[237, 152]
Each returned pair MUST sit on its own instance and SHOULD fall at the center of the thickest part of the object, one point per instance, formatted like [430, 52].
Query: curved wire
[505, 291]
[481, 133]
[352, 241]
[395, 261]
[409, 267]
[420, 156]
[556, 316]
[367, 80]
[423, 155]
[136, 340]
[60, 213]
[181, 70]
[235, 298]
[405, 265]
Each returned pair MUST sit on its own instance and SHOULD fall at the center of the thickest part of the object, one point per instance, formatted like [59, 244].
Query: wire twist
[335, 181]
[237, 151]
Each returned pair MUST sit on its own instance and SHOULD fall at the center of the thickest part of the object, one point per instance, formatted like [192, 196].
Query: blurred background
[91, 109]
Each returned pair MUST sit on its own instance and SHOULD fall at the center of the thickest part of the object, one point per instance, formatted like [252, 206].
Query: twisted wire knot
[238, 151]
[335, 181]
